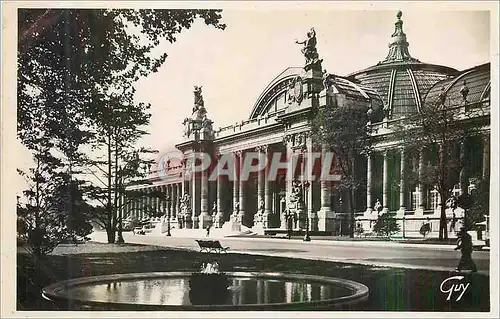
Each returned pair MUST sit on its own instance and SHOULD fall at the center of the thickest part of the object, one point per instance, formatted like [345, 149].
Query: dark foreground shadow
[391, 289]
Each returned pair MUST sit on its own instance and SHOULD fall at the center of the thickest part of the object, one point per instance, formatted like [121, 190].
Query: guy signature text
[454, 285]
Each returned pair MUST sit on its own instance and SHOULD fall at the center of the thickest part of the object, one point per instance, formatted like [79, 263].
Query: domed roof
[401, 80]
[273, 97]
[476, 80]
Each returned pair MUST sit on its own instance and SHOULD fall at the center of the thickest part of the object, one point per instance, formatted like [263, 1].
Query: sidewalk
[320, 240]
[388, 254]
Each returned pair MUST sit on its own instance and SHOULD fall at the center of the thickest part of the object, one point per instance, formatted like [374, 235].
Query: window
[434, 199]
[414, 199]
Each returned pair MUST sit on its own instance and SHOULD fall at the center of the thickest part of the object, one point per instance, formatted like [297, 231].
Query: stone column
[402, 185]
[259, 219]
[369, 184]
[311, 214]
[155, 206]
[149, 202]
[157, 201]
[164, 202]
[175, 195]
[179, 196]
[486, 156]
[326, 217]
[137, 207]
[205, 218]
[132, 208]
[143, 203]
[183, 185]
[194, 198]
[236, 186]
[241, 188]
[219, 217]
[152, 200]
[385, 192]
[260, 176]
[170, 194]
[288, 180]
[421, 191]
[268, 199]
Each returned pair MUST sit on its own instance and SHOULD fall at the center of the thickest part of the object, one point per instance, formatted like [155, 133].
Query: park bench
[210, 246]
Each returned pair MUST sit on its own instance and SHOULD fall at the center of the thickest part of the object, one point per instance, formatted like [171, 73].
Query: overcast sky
[236, 64]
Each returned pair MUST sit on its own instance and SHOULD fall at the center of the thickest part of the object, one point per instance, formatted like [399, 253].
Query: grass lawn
[391, 289]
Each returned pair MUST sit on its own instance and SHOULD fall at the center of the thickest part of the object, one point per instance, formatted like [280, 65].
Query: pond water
[238, 290]
[175, 291]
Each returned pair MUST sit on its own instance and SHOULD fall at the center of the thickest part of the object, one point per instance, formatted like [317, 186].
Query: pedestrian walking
[464, 243]
[208, 229]
[453, 223]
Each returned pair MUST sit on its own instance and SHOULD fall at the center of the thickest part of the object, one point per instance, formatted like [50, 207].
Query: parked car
[485, 232]
[128, 227]
[142, 230]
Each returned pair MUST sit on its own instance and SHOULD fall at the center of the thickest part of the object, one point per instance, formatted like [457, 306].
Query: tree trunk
[352, 204]
[442, 161]
[443, 228]
[115, 188]
[352, 214]
[111, 216]
[110, 231]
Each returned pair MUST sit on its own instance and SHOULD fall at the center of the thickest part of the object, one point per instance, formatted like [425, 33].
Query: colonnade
[199, 191]
[145, 206]
[418, 161]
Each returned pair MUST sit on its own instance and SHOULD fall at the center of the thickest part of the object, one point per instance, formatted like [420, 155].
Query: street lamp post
[169, 200]
[119, 236]
[306, 188]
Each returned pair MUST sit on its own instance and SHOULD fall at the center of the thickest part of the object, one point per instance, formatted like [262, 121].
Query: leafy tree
[343, 131]
[39, 223]
[438, 132]
[77, 67]
[480, 202]
[69, 204]
[386, 225]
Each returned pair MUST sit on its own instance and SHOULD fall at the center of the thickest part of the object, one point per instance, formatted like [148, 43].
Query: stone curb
[331, 242]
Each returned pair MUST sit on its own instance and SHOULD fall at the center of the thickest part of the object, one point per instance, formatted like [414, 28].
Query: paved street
[434, 257]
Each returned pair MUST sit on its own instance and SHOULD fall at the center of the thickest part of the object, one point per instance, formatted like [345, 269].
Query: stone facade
[280, 124]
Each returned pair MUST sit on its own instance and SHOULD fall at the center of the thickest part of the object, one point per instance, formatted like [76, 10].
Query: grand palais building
[280, 122]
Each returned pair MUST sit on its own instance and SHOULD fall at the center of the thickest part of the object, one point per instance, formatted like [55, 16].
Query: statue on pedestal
[187, 127]
[296, 195]
[260, 212]
[309, 50]
[198, 99]
[235, 217]
[442, 95]
[464, 90]
[185, 209]
[378, 206]
[326, 80]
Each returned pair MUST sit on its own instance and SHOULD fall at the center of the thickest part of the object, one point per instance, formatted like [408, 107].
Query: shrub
[386, 225]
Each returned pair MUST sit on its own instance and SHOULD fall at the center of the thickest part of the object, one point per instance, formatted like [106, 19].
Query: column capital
[238, 153]
[262, 148]
[287, 139]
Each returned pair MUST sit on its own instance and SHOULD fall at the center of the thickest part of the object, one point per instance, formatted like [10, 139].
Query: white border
[8, 158]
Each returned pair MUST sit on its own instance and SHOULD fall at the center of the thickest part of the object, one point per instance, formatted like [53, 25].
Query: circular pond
[172, 291]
